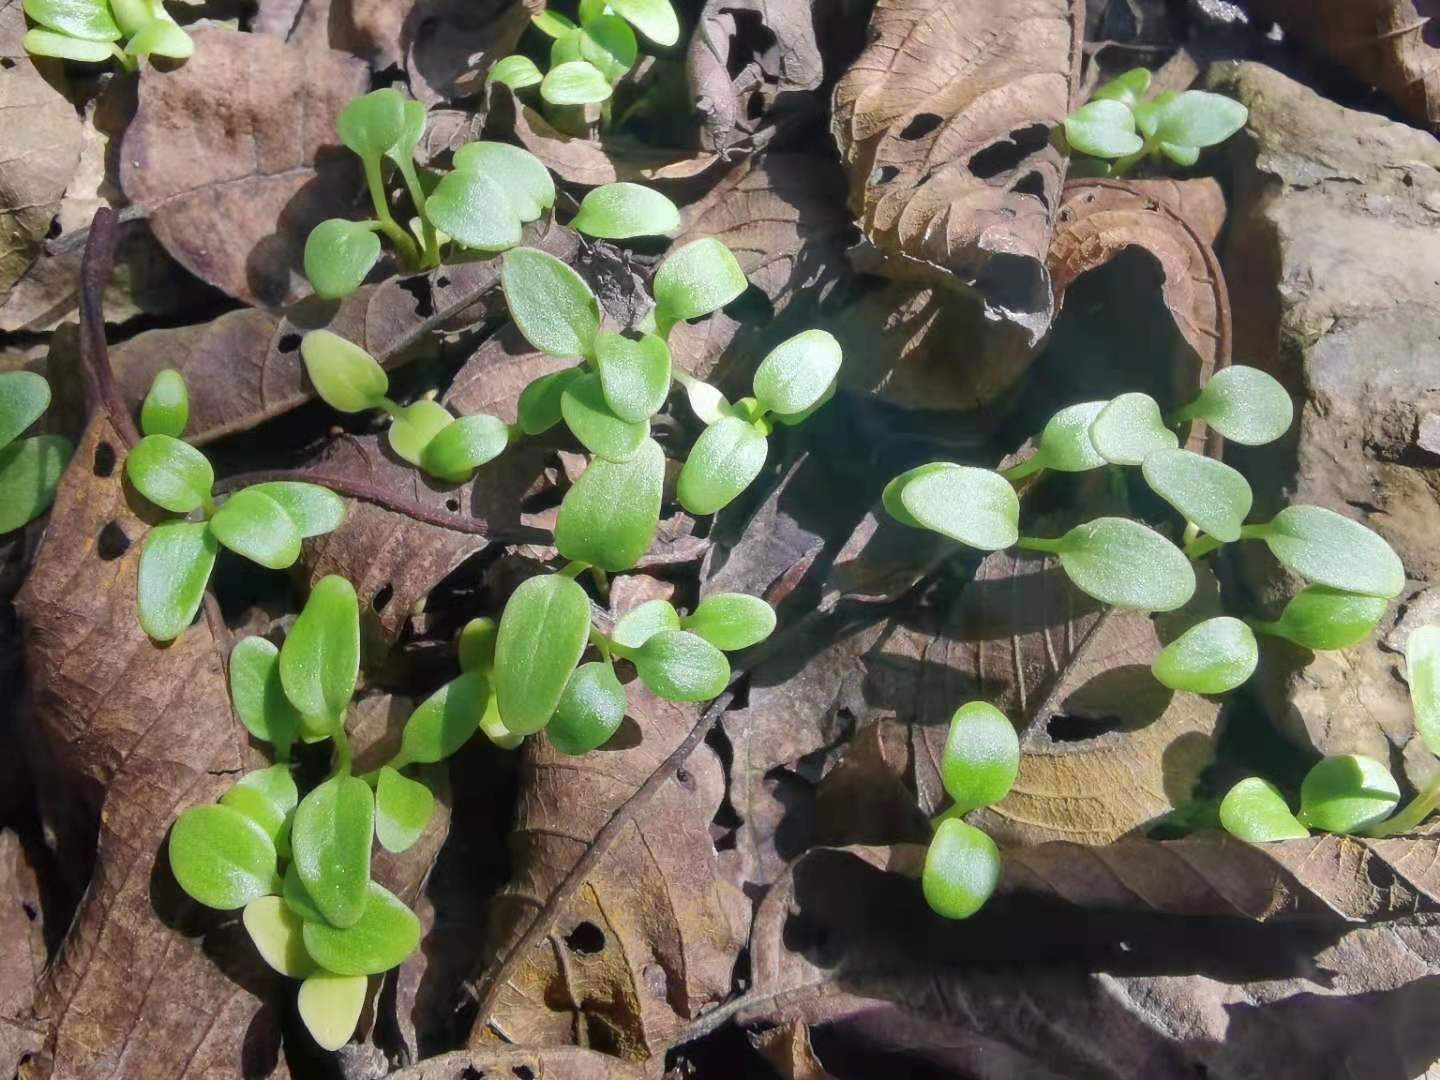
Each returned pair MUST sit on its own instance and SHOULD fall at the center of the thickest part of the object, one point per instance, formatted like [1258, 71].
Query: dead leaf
[647, 937]
[1386, 43]
[944, 125]
[559, 1063]
[235, 157]
[787, 1048]
[449, 45]
[42, 147]
[22, 954]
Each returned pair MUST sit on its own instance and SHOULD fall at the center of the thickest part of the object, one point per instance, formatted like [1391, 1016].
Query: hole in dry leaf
[1032, 183]
[683, 776]
[112, 542]
[104, 459]
[419, 288]
[54, 230]
[920, 125]
[1006, 155]
[452, 504]
[1081, 728]
[523, 1072]
[382, 598]
[442, 282]
[883, 175]
[288, 343]
[586, 939]
[470, 1073]
[7, 62]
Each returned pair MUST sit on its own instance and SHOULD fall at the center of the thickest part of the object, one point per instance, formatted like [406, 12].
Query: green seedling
[1213, 657]
[1122, 128]
[166, 408]
[94, 31]
[30, 467]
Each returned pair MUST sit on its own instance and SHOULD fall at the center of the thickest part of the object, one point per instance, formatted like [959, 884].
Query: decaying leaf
[645, 940]
[235, 157]
[567, 1062]
[22, 954]
[42, 147]
[944, 124]
[1388, 43]
[787, 1048]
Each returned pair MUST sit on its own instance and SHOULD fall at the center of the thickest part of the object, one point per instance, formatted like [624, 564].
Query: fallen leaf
[944, 125]
[449, 45]
[22, 953]
[42, 148]
[559, 1062]
[787, 1048]
[235, 158]
[1386, 43]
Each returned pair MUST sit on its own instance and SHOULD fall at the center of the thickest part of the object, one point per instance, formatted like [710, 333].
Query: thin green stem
[1033, 464]
[573, 570]
[391, 407]
[602, 643]
[952, 811]
[1125, 164]
[417, 196]
[1418, 810]
[404, 243]
[342, 751]
[207, 507]
[602, 580]
[1036, 543]
[1202, 547]
[1192, 533]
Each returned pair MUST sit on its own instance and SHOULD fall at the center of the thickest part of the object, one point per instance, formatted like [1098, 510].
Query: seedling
[94, 31]
[588, 60]
[1121, 127]
[264, 523]
[1351, 793]
[978, 767]
[1127, 564]
[30, 468]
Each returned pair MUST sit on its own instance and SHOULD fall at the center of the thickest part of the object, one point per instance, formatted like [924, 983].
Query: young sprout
[1322, 618]
[1243, 404]
[91, 31]
[1212, 657]
[166, 408]
[30, 468]
[1255, 811]
[1209, 494]
[962, 869]
[1347, 794]
[1129, 428]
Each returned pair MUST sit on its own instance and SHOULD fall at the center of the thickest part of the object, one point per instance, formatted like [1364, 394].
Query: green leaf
[609, 517]
[372, 123]
[1322, 618]
[1129, 428]
[794, 418]
[977, 507]
[84, 19]
[731, 621]
[1127, 565]
[605, 41]
[495, 729]
[476, 645]
[320, 659]
[634, 374]
[292, 890]
[1212, 657]
[1328, 549]
[402, 152]
[516, 72]
[413, 426]
[1103, 129]
[700, 277]
[1180, 153]
[797, 372]
[161, 37]
[1255, 811]
[590, 419]
[538, 409]
[331, 837]
[338, 255]
[171, 474]
[639, 625]
[402, 810]
[575, 82]
[521, 175]
[550, 303]
[590, 710]
[1147, 113]
[472, 209]
[542, 636]
[63, 47]
[175, 566]
[258, 696]
[461, 447]
[24, 397]
[590, 10]
[275, 785]
[1197, 118]
[981, 757]
[445, 720]
[1208, 493]
[653, 18]
[252, 524]
[551, 23]
[346, 377]
[1127, 88]
[621, 211]
[681, 666]
[330, 1007]
[384, 935]
[255, 806]
[222, 858]
[30, 471]
[1422, 668]
[1065, 444]
[707, 403]
[1243, 404]
[315, 510]
[962, 868]
[723, 462]
[166, 408]
[275, 931]
[1346, 794]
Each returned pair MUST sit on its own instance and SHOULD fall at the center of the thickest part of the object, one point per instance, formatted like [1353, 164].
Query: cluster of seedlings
[94, 31]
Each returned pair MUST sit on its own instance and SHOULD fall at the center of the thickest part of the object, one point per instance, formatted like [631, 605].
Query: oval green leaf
[516, 72]
[1129, 428]
[314, 510]
[698, 278]
[538, 409]
[330, 1005]
[1212, 657]
[977, 507]
[609, 517]
[1330, 549]
[590, 710]
[550, 303]
[681, 666]
[320, 659]
[372, 123]
[1245, 405]
[1208, 493]
[175, 566]
[166, 408]
[1255, 811]
[1322, 618]
[1346, 794]
[962, 868]
[1199, 119]
[473, 210]
[171, 474]
[523, 177]
[1103, 129]
[476, 645]
[1127, 565]
[1127, 88]
[575, 82]
[402, 809]
[30, 471]
[653, 18]
[38, 42]
[638, 626]
[591, 420]
[258, 696]
[724, 461]
[634, 374]
[1422, 668]
[621, 211]
[413, 426]
[461, 447]
[24, 397]
[338, 256]
[981, 757]
[445, 720]
[384, 935]
[797, 373]
[334, 827]
[731, 621]
[84, 19]
[346, 377]
[276, 933]
[542, 636]
[252, 524]
[551, 23]
[222, 858]
[1065, 444]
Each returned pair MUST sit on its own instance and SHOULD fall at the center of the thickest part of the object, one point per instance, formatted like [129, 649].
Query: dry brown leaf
[944, 124]
[42, 147]
[787, 1048]
[1391, 44]
[22, 954]
[648, 938]
[491, 380]
[225, 154]
[553, 1063]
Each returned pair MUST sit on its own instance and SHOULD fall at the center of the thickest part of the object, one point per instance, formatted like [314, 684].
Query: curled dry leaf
[567, 1062]
[1391, 44]
[944, 125]
[646, 939]
[228, 155]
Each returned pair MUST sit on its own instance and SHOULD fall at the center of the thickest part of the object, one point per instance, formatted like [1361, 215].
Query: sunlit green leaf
[525, 180]
[575, 82]
[402, 809]
[621, 211]
[314, 510]
[1197, 118]
[700, 277]
[175, 566]
[330, 1005]
[166, 408]
[1207, 492]
[461, 447]
[797, 372]
[320, 659]
[981, 757]
[1104, 129]
[1129, 428]
[445, 720]
[653, 18]
[221, 857]
[516, 72]
[731, 621]
[1330, 549]
[267, 797]
[161, 37]
[372, 123]
[637, 626]
[258, 695]
[542, 636]
[252, 524]
[538, 409]
[292, 891]
[38, 42]
[384, 935]
[706, 402]
[551, 23]
[1243, 404]
[1180, 153]
[338, 256]
[609, 517]
[634, 374]
[723, 462]
[84, 19]
[495, 729]
[476, 645]
[590, 710]
[1422, 668]
[977, 507]
[605, 41]
[345, 376]
[591, 420]
[1065, 444]
[1212, 657]
[1322, 618]
[1127, 88]
[1126, 564]
[474, 210]
[275, 931]
[413, 426]
[681, 666]
[962, 868]
[1346, 794]
[550, 303]
[171, 474]
[30, 471]
[334, 827]
[1255, 811]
